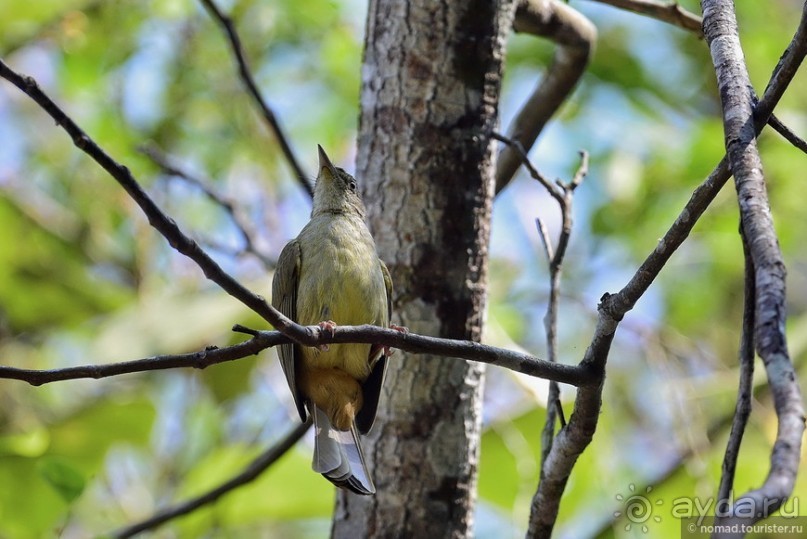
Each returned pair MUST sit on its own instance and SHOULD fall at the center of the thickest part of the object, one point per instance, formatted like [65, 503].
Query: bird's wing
[371, 388]
[388, 289]
[284, 299]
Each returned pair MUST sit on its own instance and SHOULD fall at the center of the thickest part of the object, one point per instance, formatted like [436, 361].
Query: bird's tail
[338, 456]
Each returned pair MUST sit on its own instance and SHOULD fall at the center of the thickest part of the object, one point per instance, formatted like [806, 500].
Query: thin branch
[572, 440]
[554, 410]
[197, 360]
[669, 12]
[575, 37]
[543, 233]
[566, 210]
[245, 230]
[576, 375]
[159, 220]
[249, 474]
[742, 410]
[787, 133]
[563, 194]
[720, 28]
[582, 171]
[245, 73]
[523, 159]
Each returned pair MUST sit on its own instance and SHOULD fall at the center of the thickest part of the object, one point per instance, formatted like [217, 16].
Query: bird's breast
[341, 281]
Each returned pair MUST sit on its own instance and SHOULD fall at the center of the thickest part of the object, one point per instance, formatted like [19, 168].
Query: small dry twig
[245, 73]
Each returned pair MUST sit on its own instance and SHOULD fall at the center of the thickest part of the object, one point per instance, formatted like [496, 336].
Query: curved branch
[575, 36]
[245, 73]
[249, 474]
[669, 12]
[572, 440]
[576, 375]
[720, 27]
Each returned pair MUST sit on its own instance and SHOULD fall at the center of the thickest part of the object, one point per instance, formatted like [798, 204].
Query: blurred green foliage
[85, 280]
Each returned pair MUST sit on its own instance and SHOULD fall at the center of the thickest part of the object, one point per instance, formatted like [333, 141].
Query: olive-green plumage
[331, 273]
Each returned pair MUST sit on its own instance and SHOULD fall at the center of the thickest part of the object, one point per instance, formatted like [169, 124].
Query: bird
[331, 274]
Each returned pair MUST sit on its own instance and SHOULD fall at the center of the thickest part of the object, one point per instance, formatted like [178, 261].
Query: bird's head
[336, 190]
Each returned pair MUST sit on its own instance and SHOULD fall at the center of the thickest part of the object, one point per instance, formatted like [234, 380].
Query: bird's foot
[388, 351]
[328, 326]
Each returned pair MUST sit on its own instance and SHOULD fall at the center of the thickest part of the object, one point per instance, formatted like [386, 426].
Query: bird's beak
[325, 162]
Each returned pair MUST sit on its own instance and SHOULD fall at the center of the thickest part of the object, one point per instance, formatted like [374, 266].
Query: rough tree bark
[430, 86]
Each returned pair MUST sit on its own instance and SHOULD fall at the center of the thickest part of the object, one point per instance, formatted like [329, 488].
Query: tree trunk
[430, 87]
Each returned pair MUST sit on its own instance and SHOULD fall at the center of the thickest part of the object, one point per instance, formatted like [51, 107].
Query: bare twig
[720, 28]
[249, 474]
[523, 159]
[543, 233]
[245, 73]
[669, 12]
[563, 194]
[575, 36]
[410, 342]
[244, 228]
[197, 360]
[742, 409]
[616, 305]
[787, 133]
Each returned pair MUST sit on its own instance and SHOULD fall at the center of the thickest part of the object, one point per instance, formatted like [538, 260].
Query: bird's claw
[388, 351]
[329, 327]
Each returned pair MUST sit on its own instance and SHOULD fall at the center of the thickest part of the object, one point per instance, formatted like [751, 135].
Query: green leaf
[26, 444]
[63, 477]
[511, 453]
[29, 506]
[86, 436]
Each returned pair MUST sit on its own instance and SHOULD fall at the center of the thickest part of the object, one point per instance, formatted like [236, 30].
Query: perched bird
[331, 274]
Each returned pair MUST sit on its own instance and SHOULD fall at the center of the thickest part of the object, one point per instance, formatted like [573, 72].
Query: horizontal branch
[261, 340]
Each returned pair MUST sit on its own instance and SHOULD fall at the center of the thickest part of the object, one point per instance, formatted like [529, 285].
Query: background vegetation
[83, 279]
